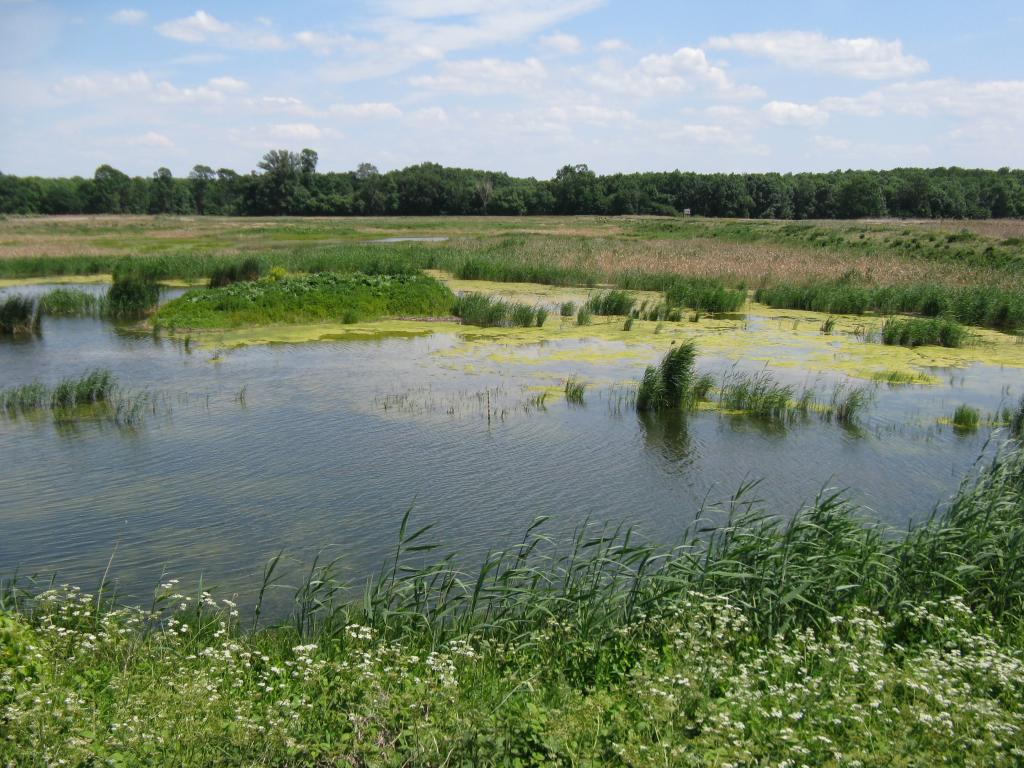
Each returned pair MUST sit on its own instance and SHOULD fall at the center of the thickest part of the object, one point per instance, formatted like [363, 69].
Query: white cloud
[867, 58]
[431, 115]
[683, 70]
[791, 113]
[562, 43]
[151, 139]
[590, 114]
[484, 76]
[702, 134]
[229, 84]
[611, 44]
[1002, 99]
[282, 104]
[128, 16]
[301, 131]
[367, 109]
[202, 27]
[832, 143]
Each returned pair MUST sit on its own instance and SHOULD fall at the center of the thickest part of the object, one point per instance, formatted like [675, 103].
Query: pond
[322, 446]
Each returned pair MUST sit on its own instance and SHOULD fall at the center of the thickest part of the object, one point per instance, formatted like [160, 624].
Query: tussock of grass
[852, 639]
[704, 295]
[919, 331]
[610, 303]
[847, 403]
[757, 394]
[133, 293]
[69, 302]
[18, 314]
[246, 270]
[583, 316]
[492, 312]
[574, 389]
[567, 309]
[966, 418]
[1016, 420]
[671, 384]
[307, 298]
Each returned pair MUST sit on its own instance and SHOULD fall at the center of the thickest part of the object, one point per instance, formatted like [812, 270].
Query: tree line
[288, 183]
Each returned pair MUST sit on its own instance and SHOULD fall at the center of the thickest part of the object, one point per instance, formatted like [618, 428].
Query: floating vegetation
[574, 389]
[966, 418]
[919, 331]
[899, 378]
[18, 314]
[610, 303]
[70, 302]
[247, 270]
[670, 384]
[491, 312]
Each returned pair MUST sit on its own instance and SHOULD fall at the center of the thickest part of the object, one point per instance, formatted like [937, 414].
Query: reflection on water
[322, 455]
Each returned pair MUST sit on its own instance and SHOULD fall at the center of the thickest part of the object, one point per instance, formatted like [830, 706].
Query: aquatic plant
[317, 297]
[542, 315]
[133, 293]
[574, 389]
[246, 270]
[69, 302]
[610, 303]
[583, 316]
[966, 418]
[18, 314]
[828, 325]
[92, 388]
[1016, 420]
[628, 325]
[567, 309]
[919, 331]
[847, 403]
[757, 394]
[490, 311]
[703, 295]
[670, 384]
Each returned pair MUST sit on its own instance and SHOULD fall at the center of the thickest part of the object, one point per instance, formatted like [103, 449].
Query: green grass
[984, 306]
[307, 298]
[704, 295]
[574, 389]
[828, 325]
[822, 635]
[567, 309]
[757, 394]
[847, 404]
[490, 311]
[247, 270]
[966, 418]
[18, 314]
[673, 384]
[583, 316]
[133, 293]
[610, 303]
[70, 302]
[1016, 420]
[919, 331]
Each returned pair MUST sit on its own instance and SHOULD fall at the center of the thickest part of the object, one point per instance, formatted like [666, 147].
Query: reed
[828, 326]
[757, 394]
[567, 309]
[574, 390]
[966, 418]
[847, 403]
[69, 302]
[246, 270]
[918, 331]
[1016, 420]
[18, 314]
[133, 293]
[610, 303]
[628, 324]
[489, 311]
[670, 384]
[583, 316]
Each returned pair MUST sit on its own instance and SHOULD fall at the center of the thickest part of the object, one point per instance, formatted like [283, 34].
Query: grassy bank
[735, 647]
[307, 298]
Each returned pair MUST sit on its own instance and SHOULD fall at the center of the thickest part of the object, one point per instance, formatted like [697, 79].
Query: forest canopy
[287, 183]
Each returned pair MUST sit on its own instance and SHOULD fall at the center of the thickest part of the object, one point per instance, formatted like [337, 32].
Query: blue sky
[521, 86]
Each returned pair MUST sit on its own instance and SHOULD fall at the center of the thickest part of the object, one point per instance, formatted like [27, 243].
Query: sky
[522, 86]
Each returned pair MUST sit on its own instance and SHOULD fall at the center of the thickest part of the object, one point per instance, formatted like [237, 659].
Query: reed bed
[823, 634]
[673, 384]
[70, 302]
[18, 314]
[757, 394]
[574, 390]
[919, 331]
[489, 311]
[610, 303]
[966, 418]
[133, 293]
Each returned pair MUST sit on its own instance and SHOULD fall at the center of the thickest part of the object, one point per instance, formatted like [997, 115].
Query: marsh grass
[70, 302]
[567, 309]
[847, 403]
[133, 293]
[488, 311]
[966, 418]
[703, 295]
[828, 326]
[918, 331]
[1016, 420]
[758, 394]
[574, 390]
[610, 303]
[628, 324]
[672, 384]
[583, 316]
[246, 270]
[18, 314]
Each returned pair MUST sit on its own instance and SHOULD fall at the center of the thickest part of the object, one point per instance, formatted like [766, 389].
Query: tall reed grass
[489, 311]
[919, 331]
[18, 314]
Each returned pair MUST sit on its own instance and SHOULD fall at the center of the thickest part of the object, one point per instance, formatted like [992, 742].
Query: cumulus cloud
[923, 98]
[484, 76]
[683, 70]
[611, 44]
[202, 27]
[139, 84]
[129, 16]
[561, 43]
[367, 109]
[791, 113]
[151, 139]
[300, 131]
[866, 58]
